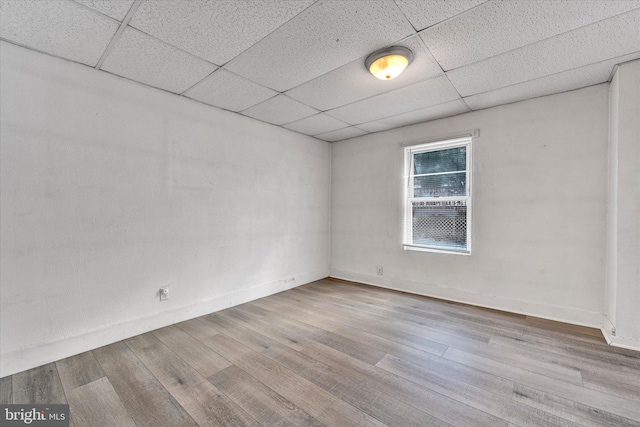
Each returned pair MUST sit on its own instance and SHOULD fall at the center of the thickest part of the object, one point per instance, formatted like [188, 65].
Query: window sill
[436, 250]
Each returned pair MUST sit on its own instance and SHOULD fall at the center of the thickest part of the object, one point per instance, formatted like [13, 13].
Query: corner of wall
[621, 324]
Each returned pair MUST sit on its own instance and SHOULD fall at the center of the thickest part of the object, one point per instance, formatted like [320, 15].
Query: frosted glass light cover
[388, 63]
[389, 67]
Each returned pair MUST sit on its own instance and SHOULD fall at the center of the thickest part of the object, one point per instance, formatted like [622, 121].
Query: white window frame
[409, 198]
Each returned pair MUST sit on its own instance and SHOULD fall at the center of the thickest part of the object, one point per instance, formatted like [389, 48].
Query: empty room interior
[317, 212]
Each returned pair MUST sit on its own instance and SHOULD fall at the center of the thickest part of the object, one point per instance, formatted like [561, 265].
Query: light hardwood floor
[336, 353]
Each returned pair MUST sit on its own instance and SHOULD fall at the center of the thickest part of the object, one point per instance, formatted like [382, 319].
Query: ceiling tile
[214, 30]
[229, 91]
[447, 109]
[561, 82]
[353, 81]
[320, 123]
[416, 96]
[117, 9]
[422, 14]
[322, 38]
[279, 110]
[600, 41]
[60, 28]
[144, 59]
[497, 27]
[340, 134]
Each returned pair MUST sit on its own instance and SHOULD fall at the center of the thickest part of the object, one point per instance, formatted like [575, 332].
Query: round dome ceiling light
[389, 62]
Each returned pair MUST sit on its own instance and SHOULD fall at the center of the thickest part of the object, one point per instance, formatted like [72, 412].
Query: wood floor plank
[204, 360]
[418, 337]
[440, 406]
[78, 370]
[453, 316]
[529, 362]
[258, 400]
[278, 319]
[278, 334]
[553, 368]
[477, 397]
[198, 328]
[505, 323]
[300, 315]
[97, 404]
[243, 335]
[474, 317]
[299, 363]
[605, 384]
[425, 324]
[38, 385]
[303, 331]
[569, 409]
[416, 334]
[6, 390]
[447, 310]
[546, 355]
[341, 414]
[303, 393]
[366, 353]
[354, 291]
[340, 385]
[571, 329]
[353, 391]
[360, 394]
[146, 400]
[418, 328]
[436, 363]
[404, 299]
[589, 353]
[202, 400]
[396, 413]
[583, 395]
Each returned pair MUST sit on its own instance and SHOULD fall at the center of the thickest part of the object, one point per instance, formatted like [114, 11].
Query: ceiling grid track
[116, 36]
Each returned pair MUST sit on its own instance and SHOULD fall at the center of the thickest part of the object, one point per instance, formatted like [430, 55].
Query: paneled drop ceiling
[299, 64]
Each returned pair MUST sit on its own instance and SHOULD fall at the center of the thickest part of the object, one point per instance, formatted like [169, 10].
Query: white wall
[622, 299]
[110, 190]
[539, 210]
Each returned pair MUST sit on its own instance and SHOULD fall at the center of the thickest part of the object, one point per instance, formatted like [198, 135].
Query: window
[438, 196]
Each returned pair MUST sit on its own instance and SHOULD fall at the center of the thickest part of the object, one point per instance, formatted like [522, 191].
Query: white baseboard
[607, 328]
[616, 340]
[622, 342]
[12, 363]
[551, 312]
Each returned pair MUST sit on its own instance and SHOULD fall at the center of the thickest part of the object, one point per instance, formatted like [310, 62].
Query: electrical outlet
[380, 271]
[164, 293]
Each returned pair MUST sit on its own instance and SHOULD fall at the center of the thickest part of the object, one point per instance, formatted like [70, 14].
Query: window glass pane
[447, 185]
[440, 224]
[453, 159]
